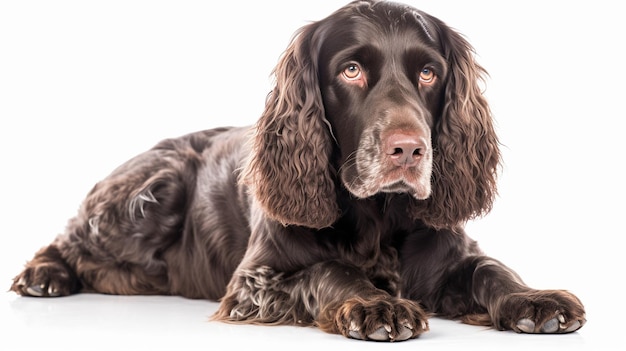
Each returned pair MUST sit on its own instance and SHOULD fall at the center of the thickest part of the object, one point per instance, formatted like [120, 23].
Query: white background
[85, 85]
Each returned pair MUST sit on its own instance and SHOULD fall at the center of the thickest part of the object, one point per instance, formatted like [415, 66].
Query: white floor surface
[101, 322]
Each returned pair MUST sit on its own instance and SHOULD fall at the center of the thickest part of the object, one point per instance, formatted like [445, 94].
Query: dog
[343, 207]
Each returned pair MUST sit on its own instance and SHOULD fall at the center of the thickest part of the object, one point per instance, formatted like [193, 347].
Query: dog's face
[381, 79]
[387, 99]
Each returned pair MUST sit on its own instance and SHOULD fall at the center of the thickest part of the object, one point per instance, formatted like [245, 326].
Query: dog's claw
[40, 290]
[554, 325]
[53, 292]
[383, 333]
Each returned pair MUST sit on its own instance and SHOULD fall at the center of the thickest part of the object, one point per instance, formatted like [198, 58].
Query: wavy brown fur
[343, 208]
[466, 152]
[292, 146]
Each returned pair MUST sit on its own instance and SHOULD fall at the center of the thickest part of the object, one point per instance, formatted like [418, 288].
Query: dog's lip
[402, 187]
[398, 187]
[414, 181]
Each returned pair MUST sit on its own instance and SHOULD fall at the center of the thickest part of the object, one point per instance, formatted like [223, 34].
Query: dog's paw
[45, 279]
[542, 312]
[381, 319]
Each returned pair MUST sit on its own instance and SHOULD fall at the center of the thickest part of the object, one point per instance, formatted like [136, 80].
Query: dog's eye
[352, 71]
[354, 75]
[427, 76]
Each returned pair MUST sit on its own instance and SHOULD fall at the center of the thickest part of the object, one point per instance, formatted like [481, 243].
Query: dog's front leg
[334, 296]
[514, 306]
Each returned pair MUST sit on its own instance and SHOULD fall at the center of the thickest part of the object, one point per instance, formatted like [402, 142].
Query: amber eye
[352, 71]
[427, 76]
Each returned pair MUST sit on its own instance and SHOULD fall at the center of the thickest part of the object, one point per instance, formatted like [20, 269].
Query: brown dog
[342, 208]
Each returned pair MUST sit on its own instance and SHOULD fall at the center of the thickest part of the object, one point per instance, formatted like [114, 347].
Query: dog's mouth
[414, 183]
[418, 190]
[397, 187]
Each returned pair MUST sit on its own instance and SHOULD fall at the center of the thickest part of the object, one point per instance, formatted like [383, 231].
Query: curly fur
[293, 146]
[466, 152]
[343, 208]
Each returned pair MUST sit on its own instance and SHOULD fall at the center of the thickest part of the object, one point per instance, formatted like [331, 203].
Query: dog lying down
[342, 208]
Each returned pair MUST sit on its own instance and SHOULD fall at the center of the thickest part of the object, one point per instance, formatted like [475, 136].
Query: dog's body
[342, 208]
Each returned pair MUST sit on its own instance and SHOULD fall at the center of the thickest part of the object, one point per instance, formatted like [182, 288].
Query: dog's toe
[551, 326]
[525, 325]
[380, 334]
[36, 290]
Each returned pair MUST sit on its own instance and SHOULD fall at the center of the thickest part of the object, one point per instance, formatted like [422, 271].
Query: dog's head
[378, 98]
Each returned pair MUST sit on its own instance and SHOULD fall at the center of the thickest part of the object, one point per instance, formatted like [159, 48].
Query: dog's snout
[405, 149]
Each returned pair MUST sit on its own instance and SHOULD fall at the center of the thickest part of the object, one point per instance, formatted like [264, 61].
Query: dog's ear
[466, 154]
[289, 170]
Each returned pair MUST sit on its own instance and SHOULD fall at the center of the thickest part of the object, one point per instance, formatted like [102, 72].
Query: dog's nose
[405, 149]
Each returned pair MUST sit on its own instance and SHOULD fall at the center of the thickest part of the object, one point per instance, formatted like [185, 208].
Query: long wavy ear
[289, 171]
[466, 148]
